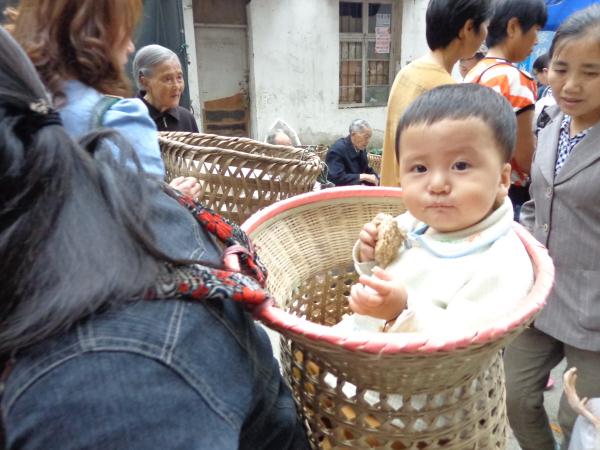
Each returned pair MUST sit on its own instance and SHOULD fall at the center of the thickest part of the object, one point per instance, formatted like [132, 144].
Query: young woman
[564, 215]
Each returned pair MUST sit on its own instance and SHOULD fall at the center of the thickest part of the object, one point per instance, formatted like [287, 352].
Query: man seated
[346, 160]
[280, 133]
[278, 137]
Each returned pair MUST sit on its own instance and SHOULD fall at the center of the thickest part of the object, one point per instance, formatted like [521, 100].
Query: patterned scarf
[242, 279]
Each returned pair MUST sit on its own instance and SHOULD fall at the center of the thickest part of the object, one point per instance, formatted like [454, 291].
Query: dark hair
[445, 18]
[541, 62]
[577, 25]
[463, 101]
[528, 12]
[77, 39]
[73, 234]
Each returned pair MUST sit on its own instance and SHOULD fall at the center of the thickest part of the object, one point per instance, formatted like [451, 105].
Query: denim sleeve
[116, 401]
[130, 117]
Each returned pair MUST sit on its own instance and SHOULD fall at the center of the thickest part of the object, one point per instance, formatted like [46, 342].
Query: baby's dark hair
[528, 12]
[463, 101]
[581, 23]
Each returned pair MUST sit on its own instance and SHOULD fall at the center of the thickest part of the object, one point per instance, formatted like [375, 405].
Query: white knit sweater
[457, 282]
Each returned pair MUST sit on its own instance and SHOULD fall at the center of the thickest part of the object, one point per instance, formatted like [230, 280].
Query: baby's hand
[368, 239]
[378, 296]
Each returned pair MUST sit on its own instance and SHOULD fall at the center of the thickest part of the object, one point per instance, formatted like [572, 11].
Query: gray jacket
[564, 215]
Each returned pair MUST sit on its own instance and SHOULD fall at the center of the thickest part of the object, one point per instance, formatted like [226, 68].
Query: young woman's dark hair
[528, 12]
[72, 230]
[579, 24]
[459, 102]
[445, 18]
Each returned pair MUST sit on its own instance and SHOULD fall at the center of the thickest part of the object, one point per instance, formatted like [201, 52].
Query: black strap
[500, 63]
[99, 110]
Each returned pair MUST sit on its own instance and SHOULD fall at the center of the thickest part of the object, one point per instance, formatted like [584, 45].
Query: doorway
[222, 55]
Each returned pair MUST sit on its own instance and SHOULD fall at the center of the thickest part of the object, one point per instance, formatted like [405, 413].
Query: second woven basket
[239, 176]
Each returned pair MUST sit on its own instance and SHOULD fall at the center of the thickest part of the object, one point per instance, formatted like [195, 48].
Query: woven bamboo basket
[239, 176]
[388, 391]
[374, 162]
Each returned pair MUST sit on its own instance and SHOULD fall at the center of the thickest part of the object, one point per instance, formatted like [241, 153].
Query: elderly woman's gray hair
[359, 125]
[147, 58]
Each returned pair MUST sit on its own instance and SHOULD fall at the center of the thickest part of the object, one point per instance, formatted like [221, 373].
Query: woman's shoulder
[85, 106]
[129, 115]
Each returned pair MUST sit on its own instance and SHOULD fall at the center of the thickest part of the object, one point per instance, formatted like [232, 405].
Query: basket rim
[313, 161]
[393, 343]
[295, 153]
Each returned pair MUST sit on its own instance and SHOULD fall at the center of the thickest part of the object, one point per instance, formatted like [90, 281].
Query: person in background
[159, 78]
[564, 215]
[80, 49]
[105, 341]
[540, 72]
[466, 64]
[545, 97]
[455, 29]
[512, 33]
[278, 137]
[280, 133]
[346, 160]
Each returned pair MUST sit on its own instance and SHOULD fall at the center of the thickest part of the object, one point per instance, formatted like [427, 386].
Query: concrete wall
[294, 67]
[414, 43]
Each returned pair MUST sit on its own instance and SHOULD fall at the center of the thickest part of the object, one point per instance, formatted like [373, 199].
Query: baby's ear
[504, 181]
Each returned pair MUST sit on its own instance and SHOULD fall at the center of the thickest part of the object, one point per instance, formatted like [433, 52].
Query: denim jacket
[152, 375]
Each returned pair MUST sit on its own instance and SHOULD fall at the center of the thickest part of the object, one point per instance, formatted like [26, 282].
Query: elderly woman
[159, 78]
[347, 158]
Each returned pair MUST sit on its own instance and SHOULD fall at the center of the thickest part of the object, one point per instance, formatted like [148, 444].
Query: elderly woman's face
[360, 139]
[165, 85]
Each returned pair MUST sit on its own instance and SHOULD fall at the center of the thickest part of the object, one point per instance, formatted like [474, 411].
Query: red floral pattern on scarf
[200, 282]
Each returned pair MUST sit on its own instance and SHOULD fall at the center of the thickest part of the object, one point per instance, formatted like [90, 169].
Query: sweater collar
[470, 240]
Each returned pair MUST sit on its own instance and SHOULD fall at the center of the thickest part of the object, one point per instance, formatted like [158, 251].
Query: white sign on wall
[383, 40]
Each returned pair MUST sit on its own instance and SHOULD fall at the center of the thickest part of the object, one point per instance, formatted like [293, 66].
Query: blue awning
[559, 10]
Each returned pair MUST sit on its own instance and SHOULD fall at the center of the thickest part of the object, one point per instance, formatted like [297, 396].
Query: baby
[461, 264]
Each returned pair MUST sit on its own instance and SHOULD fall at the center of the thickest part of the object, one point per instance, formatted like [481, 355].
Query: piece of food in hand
[389, 239]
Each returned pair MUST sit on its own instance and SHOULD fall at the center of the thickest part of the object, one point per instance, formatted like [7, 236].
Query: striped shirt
[517, 86]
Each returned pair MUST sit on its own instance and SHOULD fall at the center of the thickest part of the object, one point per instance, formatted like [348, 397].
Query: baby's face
[452, 173]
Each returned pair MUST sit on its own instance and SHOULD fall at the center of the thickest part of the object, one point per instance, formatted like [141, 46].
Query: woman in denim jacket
[98, 349]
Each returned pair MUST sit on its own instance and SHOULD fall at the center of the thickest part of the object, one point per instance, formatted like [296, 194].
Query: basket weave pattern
[239, 176]
[372, 390]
